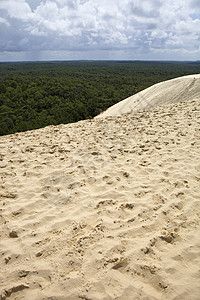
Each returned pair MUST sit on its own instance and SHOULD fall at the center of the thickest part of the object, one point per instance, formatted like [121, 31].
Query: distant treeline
[34, 95]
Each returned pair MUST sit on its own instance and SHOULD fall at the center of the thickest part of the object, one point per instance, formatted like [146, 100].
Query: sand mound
[103, 209]
[171, 91]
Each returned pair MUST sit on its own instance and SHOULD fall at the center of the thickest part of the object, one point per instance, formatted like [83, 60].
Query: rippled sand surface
[103, 209]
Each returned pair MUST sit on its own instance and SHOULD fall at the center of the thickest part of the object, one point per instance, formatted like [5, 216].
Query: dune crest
[171, 91]
[103, 209]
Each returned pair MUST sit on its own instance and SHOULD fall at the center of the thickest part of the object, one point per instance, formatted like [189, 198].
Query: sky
[38, 30]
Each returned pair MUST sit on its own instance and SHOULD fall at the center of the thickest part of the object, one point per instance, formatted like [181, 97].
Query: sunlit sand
[106, 208]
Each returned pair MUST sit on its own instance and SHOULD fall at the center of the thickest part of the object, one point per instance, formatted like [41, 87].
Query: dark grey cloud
[148, 26]
[147, 9]
[34, 3]
[195, 4]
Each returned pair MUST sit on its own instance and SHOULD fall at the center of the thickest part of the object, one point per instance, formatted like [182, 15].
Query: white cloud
[18, 9]
[90, 25]
[4, 21]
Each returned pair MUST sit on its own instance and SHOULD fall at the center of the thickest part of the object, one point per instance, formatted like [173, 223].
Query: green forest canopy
[34, 95]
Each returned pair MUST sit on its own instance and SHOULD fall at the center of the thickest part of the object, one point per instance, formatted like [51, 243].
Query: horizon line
[95, 60]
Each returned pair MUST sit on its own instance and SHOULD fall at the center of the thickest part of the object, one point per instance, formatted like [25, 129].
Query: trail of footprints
[80, 198]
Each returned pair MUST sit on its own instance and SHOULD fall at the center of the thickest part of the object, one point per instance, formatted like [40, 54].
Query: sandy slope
[103, 209]
[170, 91]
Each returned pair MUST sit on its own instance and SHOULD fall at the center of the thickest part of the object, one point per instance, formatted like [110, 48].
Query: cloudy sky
[99, 29]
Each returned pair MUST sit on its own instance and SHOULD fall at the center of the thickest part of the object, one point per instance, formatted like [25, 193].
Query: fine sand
[171, 91]
[103, 209]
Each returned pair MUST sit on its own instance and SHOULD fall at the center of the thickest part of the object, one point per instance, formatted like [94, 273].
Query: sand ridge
[103, 209]
[165, 92]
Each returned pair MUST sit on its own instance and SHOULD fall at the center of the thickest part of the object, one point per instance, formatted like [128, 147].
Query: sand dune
[103, 209]
[171, 91]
